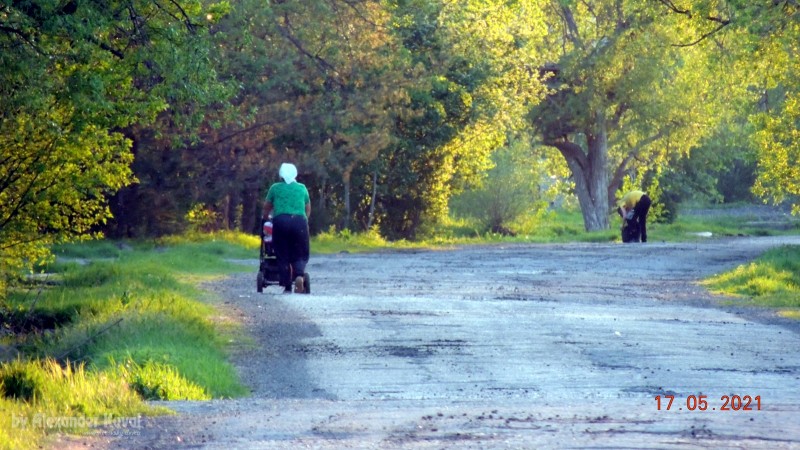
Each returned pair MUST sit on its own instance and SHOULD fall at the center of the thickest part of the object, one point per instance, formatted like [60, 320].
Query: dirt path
[534, 346]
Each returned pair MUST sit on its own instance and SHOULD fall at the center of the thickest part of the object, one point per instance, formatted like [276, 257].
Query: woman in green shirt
[290, 206]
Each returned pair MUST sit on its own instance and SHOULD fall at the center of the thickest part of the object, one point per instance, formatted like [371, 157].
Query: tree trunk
[347, 208]
[371, 216]
[590, 172]
[226, 213]
[250, 212]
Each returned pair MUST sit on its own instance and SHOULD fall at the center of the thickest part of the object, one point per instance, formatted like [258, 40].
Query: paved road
[515, 347]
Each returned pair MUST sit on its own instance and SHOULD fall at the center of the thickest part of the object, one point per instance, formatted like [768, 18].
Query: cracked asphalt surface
[503, 347]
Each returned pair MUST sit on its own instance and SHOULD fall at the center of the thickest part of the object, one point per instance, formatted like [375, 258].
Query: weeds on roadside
[772, 280]
[122, 324]
[40, 397]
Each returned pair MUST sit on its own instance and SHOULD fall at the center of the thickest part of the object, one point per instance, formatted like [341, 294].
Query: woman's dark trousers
[640, 215]
[290, 237]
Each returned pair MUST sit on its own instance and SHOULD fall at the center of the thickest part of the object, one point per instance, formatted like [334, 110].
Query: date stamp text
[701, 402]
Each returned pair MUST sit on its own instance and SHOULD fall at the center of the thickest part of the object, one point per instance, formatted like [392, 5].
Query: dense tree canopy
[160, 113]
[75, 76]
[625, 95]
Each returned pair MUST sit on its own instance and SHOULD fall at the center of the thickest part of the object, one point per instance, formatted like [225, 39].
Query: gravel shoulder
[523, 346]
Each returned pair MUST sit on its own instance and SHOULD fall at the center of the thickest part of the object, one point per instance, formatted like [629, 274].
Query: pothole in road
[423, 350]
[401, 313]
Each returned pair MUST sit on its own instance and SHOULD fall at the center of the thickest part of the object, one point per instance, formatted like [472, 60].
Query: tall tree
[758, 42]
[75, 75]
[316, 85]
[476, 75]
[775, 31]
[625, 93]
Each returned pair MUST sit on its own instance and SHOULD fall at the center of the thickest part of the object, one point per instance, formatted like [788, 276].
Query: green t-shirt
[288, 198]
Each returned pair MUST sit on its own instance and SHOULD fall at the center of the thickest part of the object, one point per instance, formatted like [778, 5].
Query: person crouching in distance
[633, 208]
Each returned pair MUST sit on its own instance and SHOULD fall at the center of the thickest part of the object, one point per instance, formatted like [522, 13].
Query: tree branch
[572, 34]
[106, 47]
[192, 27]
[721, 22]
[619, 172]
[325, 66]
[688, 12]
[703, 37]
[243, 131]
[670, 5]
[354, 6]
[570, 150]
[24, 37]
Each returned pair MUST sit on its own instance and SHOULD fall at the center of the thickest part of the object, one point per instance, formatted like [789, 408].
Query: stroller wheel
[260, 282]
[306, 283]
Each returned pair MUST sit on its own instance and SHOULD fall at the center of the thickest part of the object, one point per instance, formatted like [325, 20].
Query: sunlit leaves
[75, 76]
[778, 141]
[776, 63]
[625, 93]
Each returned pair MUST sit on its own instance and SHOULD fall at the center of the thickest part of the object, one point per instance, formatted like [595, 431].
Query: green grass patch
[125, 323]
[772, 280]
[790, 314]
[41, 397]
[556, 226]
[334, 241]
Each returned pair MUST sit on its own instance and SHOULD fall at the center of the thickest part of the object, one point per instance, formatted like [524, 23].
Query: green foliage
[76, 79]
[472, 87]
[333, 241]
[201, 218]
[778, 142]
[40, 397]
[389, 108]
[772, 280]
[622, 98]
[761, 39]
[720, 170]
[511, 190]
[158, 381]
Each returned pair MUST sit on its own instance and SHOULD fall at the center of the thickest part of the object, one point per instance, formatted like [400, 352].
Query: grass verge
[773, 280]
[116, 325]
[559, 226]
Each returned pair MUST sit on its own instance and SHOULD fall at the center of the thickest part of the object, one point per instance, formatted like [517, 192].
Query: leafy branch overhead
[76, 78]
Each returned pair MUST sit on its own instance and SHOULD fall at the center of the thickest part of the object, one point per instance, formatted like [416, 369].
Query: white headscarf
[288, 172]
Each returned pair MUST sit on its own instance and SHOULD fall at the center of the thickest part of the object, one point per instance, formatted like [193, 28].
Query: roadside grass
[567, 226]
[42, 397]
[693, 228]
[553, 227]
[773, 280]
[115, 325]
[561, 226]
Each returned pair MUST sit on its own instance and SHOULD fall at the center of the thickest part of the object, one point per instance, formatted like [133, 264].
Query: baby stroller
[268, 272]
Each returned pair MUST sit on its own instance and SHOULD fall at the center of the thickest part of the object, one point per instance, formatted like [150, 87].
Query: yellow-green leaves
[75, 78]
[778, 142]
